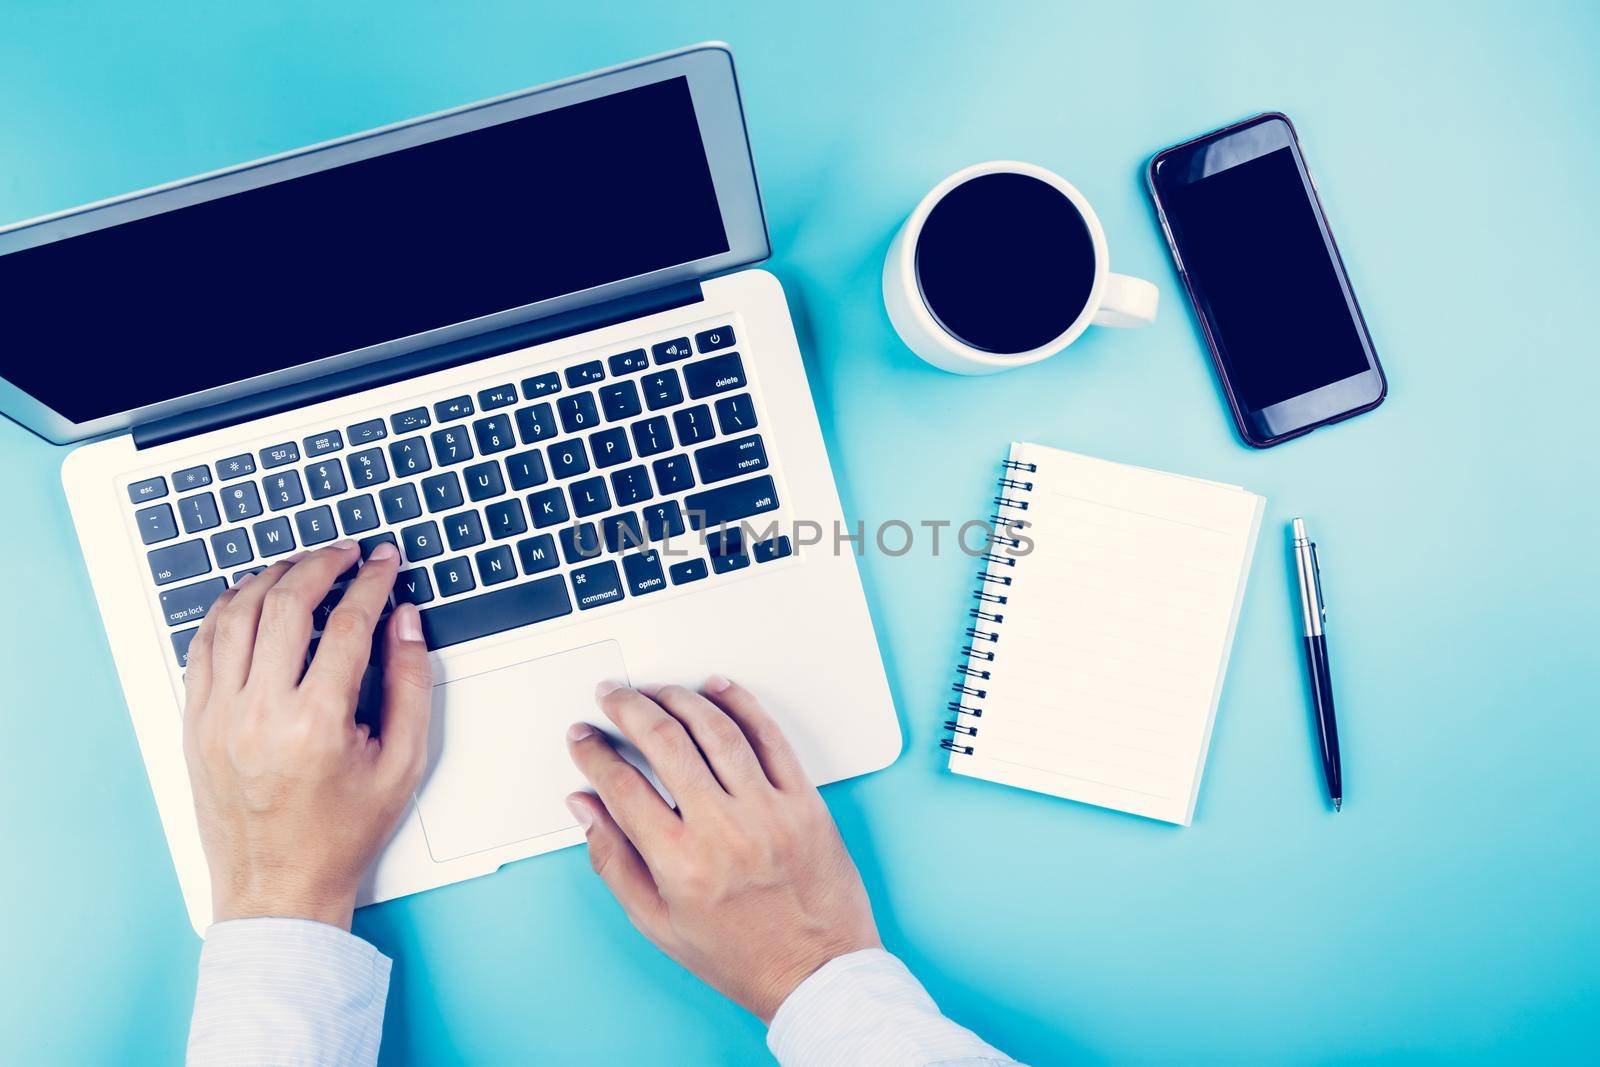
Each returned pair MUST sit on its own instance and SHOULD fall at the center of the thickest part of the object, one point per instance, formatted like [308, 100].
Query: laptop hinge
[412, 364]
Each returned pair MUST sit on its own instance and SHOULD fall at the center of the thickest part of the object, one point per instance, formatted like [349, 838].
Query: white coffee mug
[1114, 299]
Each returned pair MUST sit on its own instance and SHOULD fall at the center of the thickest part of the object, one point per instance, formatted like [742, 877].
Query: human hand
[293, 796]
[748, 883]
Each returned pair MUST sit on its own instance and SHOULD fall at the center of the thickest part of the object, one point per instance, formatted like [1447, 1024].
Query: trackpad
[498, 769]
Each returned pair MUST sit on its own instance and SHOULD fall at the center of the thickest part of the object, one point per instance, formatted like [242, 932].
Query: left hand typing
[293, 796]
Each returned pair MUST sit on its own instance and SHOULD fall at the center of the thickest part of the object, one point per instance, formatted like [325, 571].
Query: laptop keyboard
[511, 505]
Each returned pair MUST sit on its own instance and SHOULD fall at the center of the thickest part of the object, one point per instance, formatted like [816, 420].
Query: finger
[632, 801]
[664, 742]
[620, 866]
[346, 643]
[407, 699]
[233, 642]
[284, 632]
[718, 737]
[777, 756]
[197, 667]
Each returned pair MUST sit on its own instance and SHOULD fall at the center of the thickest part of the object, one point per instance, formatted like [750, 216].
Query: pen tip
[1300, 529]
[1338, 803]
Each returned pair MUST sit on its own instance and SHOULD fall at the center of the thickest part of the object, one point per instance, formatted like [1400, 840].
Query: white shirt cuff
[287, 991]
[866, 1007]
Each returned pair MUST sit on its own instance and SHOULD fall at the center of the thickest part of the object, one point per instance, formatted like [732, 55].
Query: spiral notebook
[1106, 611]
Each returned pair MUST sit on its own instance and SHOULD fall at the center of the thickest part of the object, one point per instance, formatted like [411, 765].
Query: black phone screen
[1265, 277]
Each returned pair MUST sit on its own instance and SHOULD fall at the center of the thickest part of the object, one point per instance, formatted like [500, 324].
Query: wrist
[782, 984]
[334, 906]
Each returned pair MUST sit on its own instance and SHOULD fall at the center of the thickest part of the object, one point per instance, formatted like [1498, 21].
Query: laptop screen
[341, 259]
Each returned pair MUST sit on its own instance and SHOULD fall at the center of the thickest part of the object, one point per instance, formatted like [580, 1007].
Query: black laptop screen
[354, 256]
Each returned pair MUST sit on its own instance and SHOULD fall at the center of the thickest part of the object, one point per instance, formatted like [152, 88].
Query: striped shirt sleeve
[866, 1007]
[287, 991]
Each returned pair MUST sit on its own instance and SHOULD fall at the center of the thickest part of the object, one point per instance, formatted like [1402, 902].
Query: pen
[1314, 613]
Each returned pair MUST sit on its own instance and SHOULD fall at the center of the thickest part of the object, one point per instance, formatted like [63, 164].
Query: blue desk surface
[1448, 914]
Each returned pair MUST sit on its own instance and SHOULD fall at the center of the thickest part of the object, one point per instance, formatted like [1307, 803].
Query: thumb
[407, 697]
[620, 866]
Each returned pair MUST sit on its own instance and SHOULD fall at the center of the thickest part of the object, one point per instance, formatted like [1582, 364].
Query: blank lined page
[1114, 638]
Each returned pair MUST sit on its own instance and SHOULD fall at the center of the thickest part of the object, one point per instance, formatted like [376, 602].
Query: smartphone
[1253, 247]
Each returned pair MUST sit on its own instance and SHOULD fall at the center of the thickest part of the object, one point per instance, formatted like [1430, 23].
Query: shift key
[728, 503]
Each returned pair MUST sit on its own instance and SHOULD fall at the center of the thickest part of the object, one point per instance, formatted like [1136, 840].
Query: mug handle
[1127, 301]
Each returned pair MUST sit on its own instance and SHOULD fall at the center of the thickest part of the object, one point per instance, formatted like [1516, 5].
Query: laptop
[521, 340]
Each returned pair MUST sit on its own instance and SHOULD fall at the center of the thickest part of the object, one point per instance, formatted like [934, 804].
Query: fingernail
[606, 688]
[384, 551]
[716, 684]
[580, 811]
[578, 731]
[407, 623]
[344, 544]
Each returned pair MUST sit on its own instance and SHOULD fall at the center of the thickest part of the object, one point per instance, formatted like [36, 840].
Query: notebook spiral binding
[966, 710]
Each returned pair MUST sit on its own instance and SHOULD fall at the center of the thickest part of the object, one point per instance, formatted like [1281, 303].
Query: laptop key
[548, 507]
[537, 553]
[181, 642]
[621, 532]
[241, 501]
[315, 525]
[672, 351]
[323, 443]
[585, 374]
[410, 420]
[663, 520]
[643, 570]
[536, 423]
[727, 550]
[463, 530]
[735, 414]
[198, 512]
[273, 536]
[527, 469]
[632, 486]
[694, 425]
[610, 446]
[284, 490]
[568, 459]
[325, 479]
[148, 489]
[505, 518]
[452, 445]
[589, 496]
[413, 586]
[727, 503]
[368, 545]
[718, 374]
[772, 548]
[358, 514]
[231, 548]
[494, 434]
[500, 396]
[155, 524]
[578, 412]
[442, 492]
[410, 456]
[364, 433]
[400, 503]
[596, 584]
[174, 563]
[662, 389]
[620, 400]
[367, 467]
[720, 462]
[191, 478]
[628, 362]
[496, 612]
[715, 338]
[495, 565]
[455, 408]
[673, 473]
[581, 542]
[421, 541]
[236, 466]
[453, 577]
[541, 385]
[484, 481]
[651, 436]
[690, 570]
[278, 455]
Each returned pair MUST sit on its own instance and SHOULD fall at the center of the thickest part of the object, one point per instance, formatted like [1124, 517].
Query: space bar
[492, 613]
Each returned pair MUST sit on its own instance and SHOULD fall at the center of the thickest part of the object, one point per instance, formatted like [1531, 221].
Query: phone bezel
[1220, 150]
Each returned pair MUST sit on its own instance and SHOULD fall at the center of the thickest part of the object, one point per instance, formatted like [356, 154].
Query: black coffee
[1005, 263]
